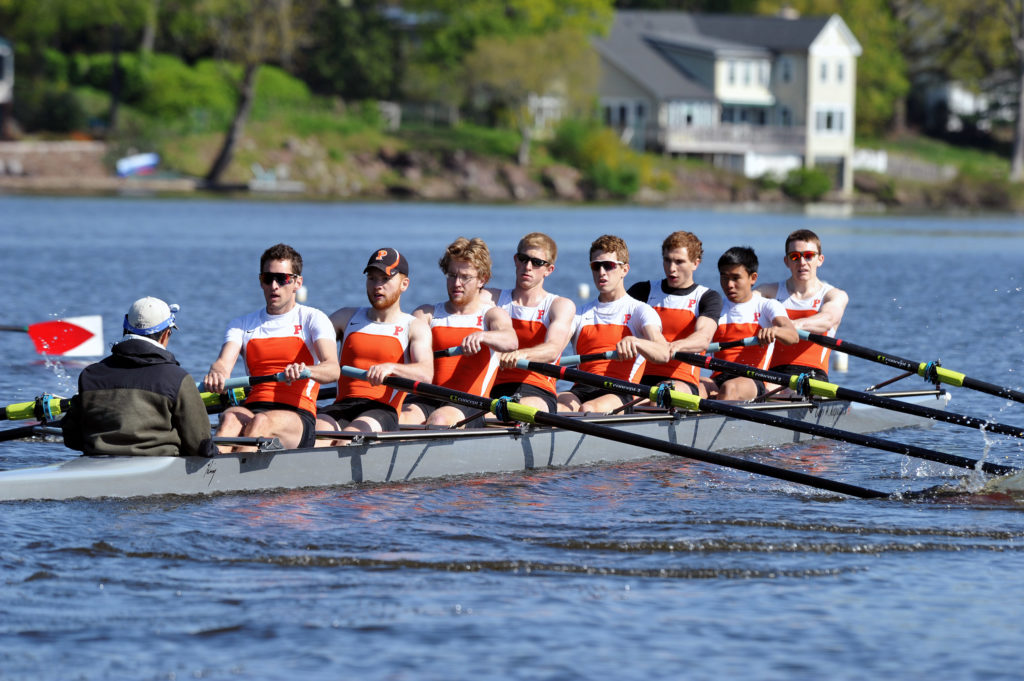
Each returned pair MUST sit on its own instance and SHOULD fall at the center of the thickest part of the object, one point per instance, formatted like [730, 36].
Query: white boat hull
[426, 454]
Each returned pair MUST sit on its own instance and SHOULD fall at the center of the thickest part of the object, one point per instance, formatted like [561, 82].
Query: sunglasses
[609, 265]
[536, 262]
[797, 256]
[282, 278]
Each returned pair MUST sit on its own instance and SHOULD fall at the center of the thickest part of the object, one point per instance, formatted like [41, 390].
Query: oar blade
[70, 337]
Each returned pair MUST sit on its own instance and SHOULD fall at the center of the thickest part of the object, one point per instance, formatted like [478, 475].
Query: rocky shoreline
[298, 170]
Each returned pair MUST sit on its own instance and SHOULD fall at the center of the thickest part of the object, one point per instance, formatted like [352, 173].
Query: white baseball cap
[149, 315]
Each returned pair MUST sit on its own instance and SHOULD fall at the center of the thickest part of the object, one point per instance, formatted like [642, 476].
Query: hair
[474, 251]
[687, 240]
[282, 252]
[539, 240]
[739, 255]
[803, 235]
[610, 244]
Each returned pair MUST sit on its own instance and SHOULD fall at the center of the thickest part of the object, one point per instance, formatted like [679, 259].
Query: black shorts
[349, 409]
[813, 372]
[585, 393]
[429, 405]
[308, 420]
[657, 380]
[719, 379]
[526, 390]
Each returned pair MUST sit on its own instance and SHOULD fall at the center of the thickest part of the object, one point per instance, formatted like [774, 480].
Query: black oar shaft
[608, 433]
[832, 390]
[944, 375]
[741, 413]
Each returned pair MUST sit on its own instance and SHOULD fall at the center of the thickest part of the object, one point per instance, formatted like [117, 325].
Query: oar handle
[740, 343]
[247, 381]
[453, 351]
[569, 360]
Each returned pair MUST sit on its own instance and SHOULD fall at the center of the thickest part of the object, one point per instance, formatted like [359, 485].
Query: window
[829, 120]
[746, 73]
[763, 74]
[732, 72]
[623, 114]
[787, 70]
[785, 116]
[824, 72]
[639, 111]
[840, 72]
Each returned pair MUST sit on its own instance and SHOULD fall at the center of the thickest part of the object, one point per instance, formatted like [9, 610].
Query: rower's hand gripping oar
[930, 371]
[249, 381]
[804, 385]
[507, 410]
[664, 396]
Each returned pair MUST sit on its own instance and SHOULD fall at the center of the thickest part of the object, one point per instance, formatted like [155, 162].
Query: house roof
[639, 38]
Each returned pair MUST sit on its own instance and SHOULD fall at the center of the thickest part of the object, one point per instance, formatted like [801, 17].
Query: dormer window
[824, 72]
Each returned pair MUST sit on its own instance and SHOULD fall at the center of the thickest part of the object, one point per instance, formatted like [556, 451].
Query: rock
[563, 182]
[520, 185]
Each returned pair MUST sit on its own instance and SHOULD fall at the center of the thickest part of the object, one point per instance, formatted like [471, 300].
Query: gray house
[757, 94]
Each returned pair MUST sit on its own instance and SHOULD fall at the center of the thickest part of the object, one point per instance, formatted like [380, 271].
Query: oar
[931, 371]
[800, 383]
[739, 343]
[71, 337]
[453, 351]
[248, 381]
[506, 409]
[660, 396]
[19, 432]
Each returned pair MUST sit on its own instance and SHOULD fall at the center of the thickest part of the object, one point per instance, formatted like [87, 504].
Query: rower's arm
[563, 311]
[220, 370]
[698, 341]
[828, 315]
[652, 345]
[781, 330]
[499, 336]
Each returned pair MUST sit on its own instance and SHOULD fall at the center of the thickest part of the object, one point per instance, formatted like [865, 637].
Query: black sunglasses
[536, 262]
[282, 278]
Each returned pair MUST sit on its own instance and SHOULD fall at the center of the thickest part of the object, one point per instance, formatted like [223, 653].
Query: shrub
[806, 184]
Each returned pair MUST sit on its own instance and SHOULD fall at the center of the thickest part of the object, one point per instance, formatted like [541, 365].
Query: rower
[139, 401]
[615, 321]
[812, 304]
[542, 322]
[284, 337]
[744, 315]
[383, 341]
[689, 312]
[470, 322]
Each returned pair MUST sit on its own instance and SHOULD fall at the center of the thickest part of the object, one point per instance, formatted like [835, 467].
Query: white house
[757, 94]
[6, 71]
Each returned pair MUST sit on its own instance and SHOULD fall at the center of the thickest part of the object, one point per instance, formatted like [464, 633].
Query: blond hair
[539, 240]
[474, 251]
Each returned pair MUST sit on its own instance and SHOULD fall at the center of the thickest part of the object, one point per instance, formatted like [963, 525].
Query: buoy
[583, 291]
[840, 362]
[302, 294]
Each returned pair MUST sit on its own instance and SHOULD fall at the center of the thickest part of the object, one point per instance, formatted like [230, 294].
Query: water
[660, 569]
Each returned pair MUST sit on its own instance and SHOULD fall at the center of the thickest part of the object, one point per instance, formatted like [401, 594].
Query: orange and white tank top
[531, 327]
[803, 353]
[742, 320]
[600, 326]
[678, 312]
[272, 342]
[366, 343]
[468, 373]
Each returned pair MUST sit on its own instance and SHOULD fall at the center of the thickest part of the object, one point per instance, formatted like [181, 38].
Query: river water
[662, 569]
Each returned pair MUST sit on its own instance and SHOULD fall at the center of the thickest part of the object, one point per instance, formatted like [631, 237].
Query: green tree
[512, 71]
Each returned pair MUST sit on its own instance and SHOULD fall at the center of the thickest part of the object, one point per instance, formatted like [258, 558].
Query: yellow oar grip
[519, 412]
[234, 396]
[22, 410]
[945, 375]
[683, 400]
[820, 388]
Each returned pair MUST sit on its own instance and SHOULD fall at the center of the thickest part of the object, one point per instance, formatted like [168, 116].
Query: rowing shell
[428, 453]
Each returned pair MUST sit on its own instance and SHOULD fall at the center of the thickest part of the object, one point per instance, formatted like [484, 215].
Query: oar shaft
[943, 375]
[695, 403]
[825, 389]
[12, 327]
[532, 415]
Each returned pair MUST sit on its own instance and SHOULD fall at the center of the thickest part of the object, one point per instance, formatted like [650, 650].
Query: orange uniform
[600, 326]
[678, 310]
[531, 327]
[804, 353]
[366, 343]
[742, 320]
[468, 373]
[272, 342]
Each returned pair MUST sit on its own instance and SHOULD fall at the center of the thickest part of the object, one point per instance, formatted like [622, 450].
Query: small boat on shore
[422, 453]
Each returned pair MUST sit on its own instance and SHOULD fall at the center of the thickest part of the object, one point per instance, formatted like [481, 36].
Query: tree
[510, 71]
[251, 32]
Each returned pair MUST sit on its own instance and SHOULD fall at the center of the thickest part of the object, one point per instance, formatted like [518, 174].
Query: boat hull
[428, 454]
